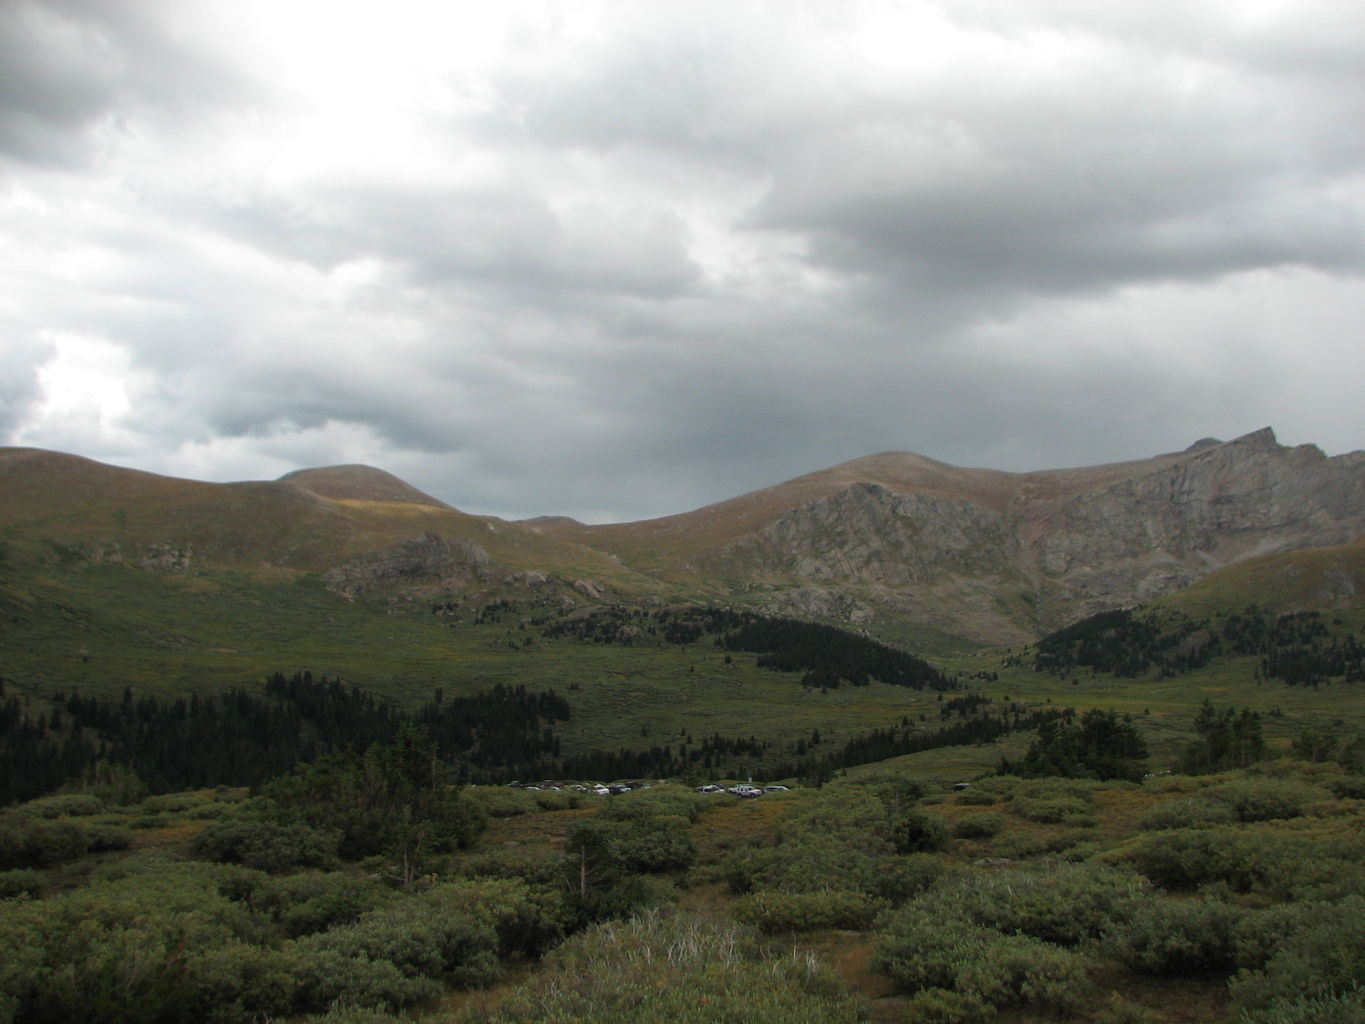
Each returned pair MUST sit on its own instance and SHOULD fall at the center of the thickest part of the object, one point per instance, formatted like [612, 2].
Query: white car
[744, 789]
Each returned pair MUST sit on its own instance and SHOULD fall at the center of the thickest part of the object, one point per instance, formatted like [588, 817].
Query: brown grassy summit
[359, 483]
[307, 521]
[37, 483]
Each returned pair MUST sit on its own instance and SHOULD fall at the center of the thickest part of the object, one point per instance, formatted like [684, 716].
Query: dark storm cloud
[71, 67]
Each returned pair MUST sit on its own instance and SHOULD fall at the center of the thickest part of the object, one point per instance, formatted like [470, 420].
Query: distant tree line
[1296, 647]
[827, 656]
[830, 656]
[239, 737]
[718, 757]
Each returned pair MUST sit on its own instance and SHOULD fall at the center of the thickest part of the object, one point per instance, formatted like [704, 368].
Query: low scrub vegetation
[1248, 886]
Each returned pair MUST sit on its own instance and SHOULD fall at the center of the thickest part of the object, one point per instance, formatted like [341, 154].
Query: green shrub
[502, 801]
[1065, 904]
[38, 843]
[1014, 970]
[24, 928]
[899, 878]
[918, 832]
[176, 802]
[641, 844]
[1347, 787]
[405, 951]
[1020, 847]
[1174, 783]
[1265, 799]
[1197, 812]
[132, 948]
[1050, 810]
[331, 974]
[557, 799]
[997, 785]
[236, 982]
[21, 882]
[313, 901]
[979, 826]
[820, 862]
[266, 846]
[1325, 955]
[65, 805]
[856, 814]
[625, 898]
[1188, 858]
[1261, 932]
[1269, 863]
[1162, 936]
[975, 798]
[940, 1006]
[535, 865]
[806, 911]
[919, 952]
[658, 802]
[108, 837]
[354, 1015]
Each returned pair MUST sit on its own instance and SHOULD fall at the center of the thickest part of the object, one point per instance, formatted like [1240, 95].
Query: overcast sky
[618, 260]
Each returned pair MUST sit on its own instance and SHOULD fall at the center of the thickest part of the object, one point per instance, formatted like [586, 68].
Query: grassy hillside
[65, 508]
[72, 624]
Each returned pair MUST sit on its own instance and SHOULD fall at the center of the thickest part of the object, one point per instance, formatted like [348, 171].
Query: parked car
[711, 789]
[775, 789]
[600, 790]
[746, 790]
[618, 790]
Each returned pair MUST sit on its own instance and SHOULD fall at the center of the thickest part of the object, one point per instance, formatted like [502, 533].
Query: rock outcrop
[428, 562]
[1005, 556]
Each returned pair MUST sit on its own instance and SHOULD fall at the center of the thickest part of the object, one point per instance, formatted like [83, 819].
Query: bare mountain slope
[1001, 556]
[894, 538]
[362, 528]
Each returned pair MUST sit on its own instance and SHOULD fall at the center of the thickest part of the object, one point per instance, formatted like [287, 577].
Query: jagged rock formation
[1004, 556]
[429, 561]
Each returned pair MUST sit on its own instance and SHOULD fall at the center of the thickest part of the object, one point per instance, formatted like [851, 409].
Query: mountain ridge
[989, 555]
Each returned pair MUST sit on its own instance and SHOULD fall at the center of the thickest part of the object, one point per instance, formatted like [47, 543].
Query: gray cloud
[625, 268]
[74, 68]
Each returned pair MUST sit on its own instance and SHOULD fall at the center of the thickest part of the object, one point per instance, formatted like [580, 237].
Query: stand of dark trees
[1101, 745]
[1228, 738]
[826, 656]
[244, 738]
[721, 758]
[1297, 647]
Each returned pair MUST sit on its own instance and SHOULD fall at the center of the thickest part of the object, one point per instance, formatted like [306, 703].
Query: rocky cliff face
[1159, 530]
[1004, 556]
[427, 562]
